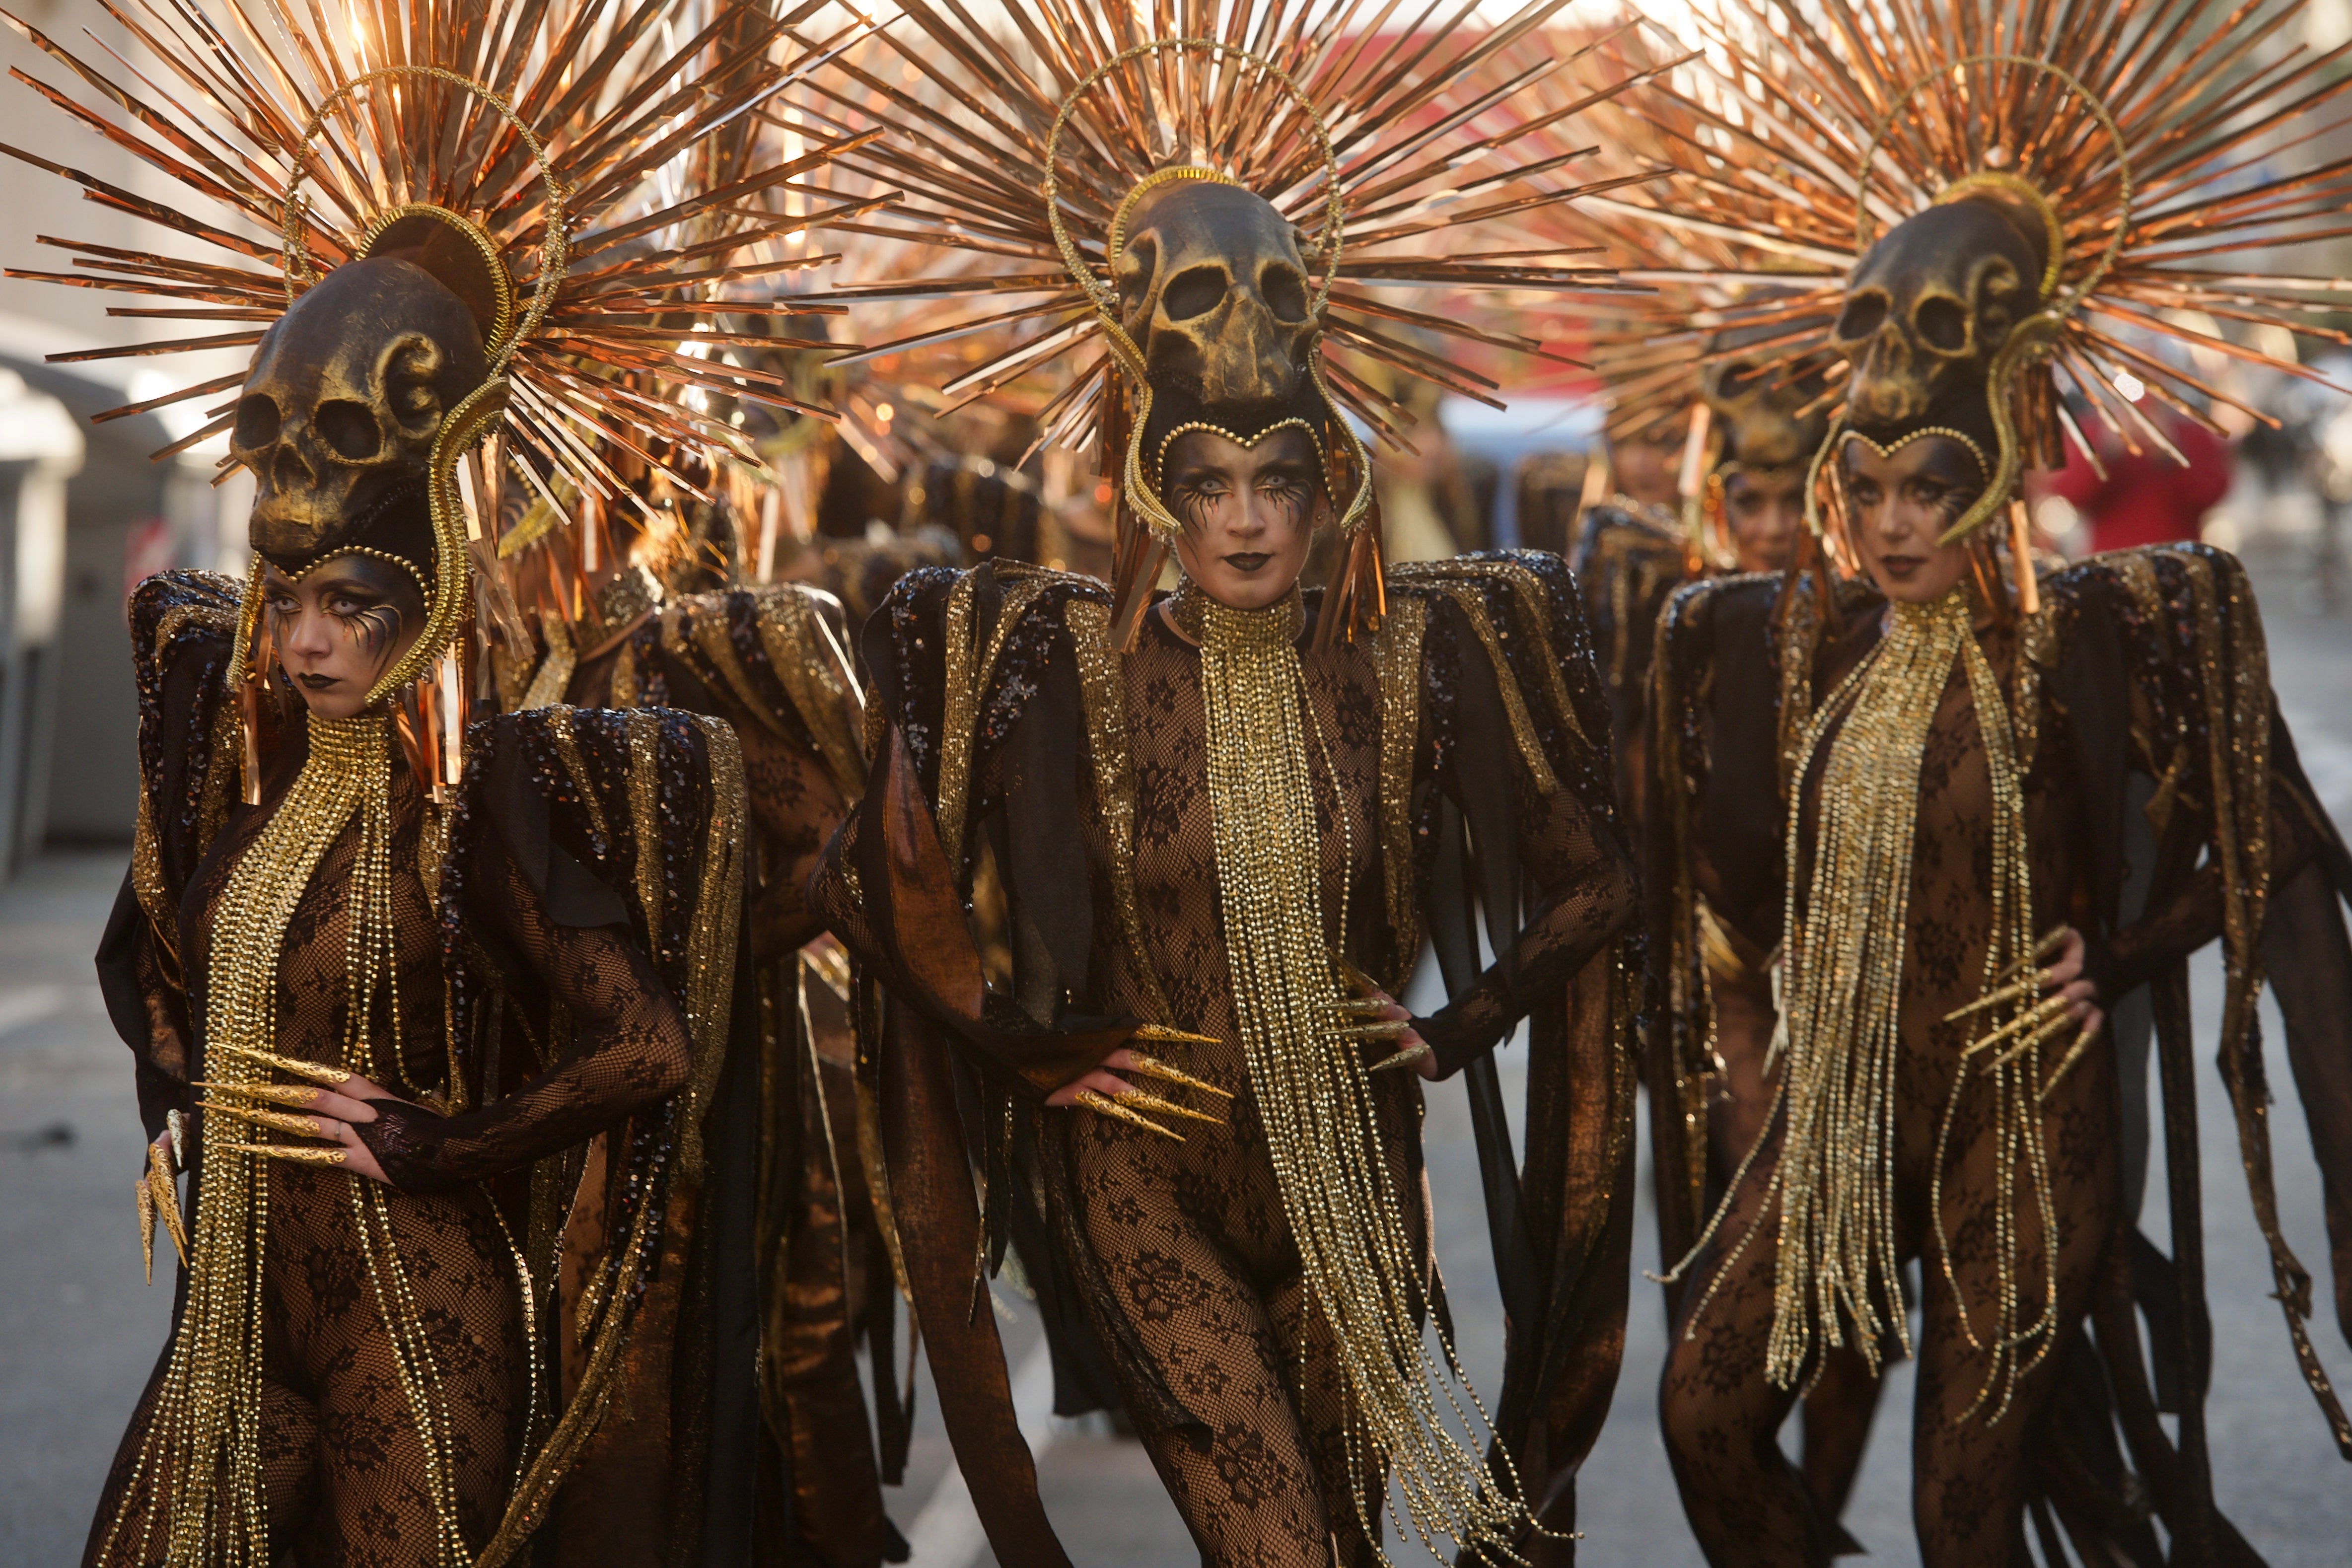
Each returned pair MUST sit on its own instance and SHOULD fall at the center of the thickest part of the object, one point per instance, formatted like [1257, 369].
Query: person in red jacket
[2145, 498]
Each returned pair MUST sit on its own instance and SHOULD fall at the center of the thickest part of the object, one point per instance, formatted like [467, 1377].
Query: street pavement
[78, 1332]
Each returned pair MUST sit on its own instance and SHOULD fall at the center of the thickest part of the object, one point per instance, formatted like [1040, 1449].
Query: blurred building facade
[83, 510]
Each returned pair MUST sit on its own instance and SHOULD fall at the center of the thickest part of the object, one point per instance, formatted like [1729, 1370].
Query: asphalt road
[78, 1332]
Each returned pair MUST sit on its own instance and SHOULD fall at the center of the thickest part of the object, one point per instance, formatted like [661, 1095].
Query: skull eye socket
[1863, 315]
[1192, 292]
[1285, 292]
[1942, 323]
[257, 422]
[348, 428]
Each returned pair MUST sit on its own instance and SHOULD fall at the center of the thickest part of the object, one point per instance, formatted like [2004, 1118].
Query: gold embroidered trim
[554, 678]
[1396, 657]
[1515, 702]
[711, 938]
[816, 673]
[967, 685]
[1102, 689]
[567, 746]
[645, 818]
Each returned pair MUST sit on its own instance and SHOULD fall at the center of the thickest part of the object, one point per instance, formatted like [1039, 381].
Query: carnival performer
[1223, 818]
[1948, 741]
[1755, 442]
[441, 1018]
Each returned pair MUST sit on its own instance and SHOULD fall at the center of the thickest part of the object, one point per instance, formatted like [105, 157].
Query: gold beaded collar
[1205, 621]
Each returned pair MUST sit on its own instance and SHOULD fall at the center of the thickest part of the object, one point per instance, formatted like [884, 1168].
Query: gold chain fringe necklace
[1841, 998]
[202, 1443]
[1314, 1094]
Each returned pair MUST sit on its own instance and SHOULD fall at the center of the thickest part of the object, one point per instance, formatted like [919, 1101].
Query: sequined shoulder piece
[958, 656]
[1521, 605]
[183, 628]
[777, 656]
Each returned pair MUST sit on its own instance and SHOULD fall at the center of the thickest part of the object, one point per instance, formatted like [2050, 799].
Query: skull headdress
[474, 277]
[1964, 234]
[1216, 201]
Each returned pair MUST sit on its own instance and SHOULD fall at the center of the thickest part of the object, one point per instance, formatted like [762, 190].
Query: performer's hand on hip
[1104, 1079]
[2064, 977]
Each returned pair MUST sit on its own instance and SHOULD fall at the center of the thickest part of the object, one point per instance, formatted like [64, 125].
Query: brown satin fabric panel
[938, 1226]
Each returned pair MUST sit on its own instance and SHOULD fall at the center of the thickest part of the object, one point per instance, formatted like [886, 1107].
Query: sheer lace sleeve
[1584, 894]
[629, 1047]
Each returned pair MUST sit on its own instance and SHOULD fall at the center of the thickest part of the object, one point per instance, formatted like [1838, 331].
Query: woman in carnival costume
[441, 1017]
[1231, 812]
[1950, 743]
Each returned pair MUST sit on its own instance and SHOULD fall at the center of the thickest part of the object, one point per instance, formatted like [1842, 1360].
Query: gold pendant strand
[2015, 1067]
[1314, 1094]
[203, 1446]
[371, 960]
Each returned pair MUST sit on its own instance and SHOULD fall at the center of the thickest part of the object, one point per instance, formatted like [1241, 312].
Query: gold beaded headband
[1159, 457]
[1985, 466]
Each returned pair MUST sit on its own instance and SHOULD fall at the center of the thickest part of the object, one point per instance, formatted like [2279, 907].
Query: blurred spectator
[2148, 499]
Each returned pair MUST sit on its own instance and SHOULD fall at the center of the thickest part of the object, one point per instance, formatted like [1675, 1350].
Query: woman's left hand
[2064, 978]
[337, 1110]
[1424, 1062]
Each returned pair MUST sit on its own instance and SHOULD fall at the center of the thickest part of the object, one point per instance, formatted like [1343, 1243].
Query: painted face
[1249, 512]
[1901, 505]
[341, 627]
[1763, 512]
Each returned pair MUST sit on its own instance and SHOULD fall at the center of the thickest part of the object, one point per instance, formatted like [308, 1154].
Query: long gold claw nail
[1363, 1007]
[2048, 1032]
[2048, 943]
[2025, 987]
[276, 1120]
[2031, 1019]
[166, 1196]
[1386, 1029]
[1355, 979]
[1411, 1053]
[317, 1072]
[2074, 1053]
[147, 1228]
[300, 1154]
[1163, 1035]
[1142, 1099]
[279, 1093]
[1152, 1066]
[1106, 1106]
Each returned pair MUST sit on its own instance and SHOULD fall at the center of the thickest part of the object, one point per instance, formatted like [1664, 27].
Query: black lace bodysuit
[344, 1463]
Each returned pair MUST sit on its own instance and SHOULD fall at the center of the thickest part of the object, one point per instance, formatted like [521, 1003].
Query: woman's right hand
[1104, 1080]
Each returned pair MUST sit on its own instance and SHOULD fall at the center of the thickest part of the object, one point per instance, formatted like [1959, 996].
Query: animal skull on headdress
[347, 391]
[1933, 302]
[1758, 413]
[1214, 291]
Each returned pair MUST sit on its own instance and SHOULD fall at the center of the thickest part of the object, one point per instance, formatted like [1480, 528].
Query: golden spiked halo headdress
[2113, 150]
[541, 158]
[1033, 153]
